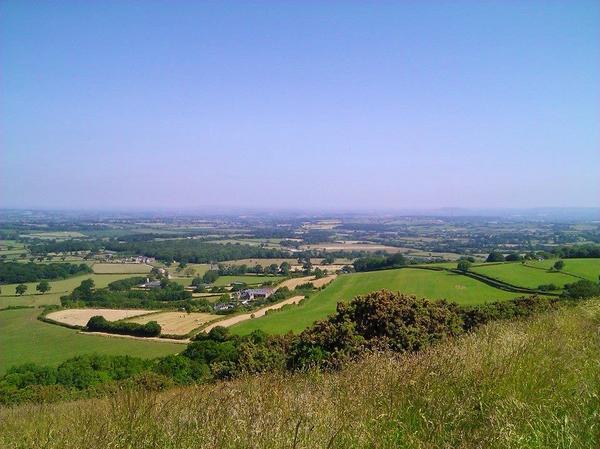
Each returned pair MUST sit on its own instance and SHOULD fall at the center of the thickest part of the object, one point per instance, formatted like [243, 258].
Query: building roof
[151, 284]
[258, 291]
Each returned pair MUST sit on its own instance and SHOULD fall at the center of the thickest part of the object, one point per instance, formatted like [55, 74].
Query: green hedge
[100, 324]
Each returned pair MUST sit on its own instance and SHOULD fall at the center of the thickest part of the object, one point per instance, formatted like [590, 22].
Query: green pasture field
[59, 288]
[200, 268]
[521, 275]
[25, 339]
[586, 268]
[422, 283]
[248, 279]
[121, 268]
[16, 249]
[450, 265]
[421, 253]
[13, 252]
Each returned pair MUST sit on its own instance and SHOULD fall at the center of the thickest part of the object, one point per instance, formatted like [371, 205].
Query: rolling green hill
[586, 268]
[521, 275]
[423, 283]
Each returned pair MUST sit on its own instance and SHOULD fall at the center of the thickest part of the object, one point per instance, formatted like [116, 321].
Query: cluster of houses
[245, 297]
[138, 259]
[111, 256]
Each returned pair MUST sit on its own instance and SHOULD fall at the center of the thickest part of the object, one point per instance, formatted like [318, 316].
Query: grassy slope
[516, 385]
[521, 275]
[423, 283]
[587, 268]
[59, 288]
[25, 339]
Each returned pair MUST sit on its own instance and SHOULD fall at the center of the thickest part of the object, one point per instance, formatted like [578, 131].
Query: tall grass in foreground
[525, 384]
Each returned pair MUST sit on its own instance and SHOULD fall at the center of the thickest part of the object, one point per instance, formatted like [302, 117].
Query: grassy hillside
[586, 268]
[25, 339]
[524, 384]
[422, 283]
[60, 288]
[521, 275]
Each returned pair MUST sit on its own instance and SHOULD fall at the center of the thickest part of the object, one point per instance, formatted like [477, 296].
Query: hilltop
[529, 383]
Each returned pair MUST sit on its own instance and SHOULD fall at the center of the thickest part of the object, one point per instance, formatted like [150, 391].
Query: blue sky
[341, 105]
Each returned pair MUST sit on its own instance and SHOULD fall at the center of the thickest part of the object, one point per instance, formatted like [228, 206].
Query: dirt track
[246, 316]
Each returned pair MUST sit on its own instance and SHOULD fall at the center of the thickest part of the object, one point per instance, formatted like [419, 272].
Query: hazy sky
[406, 104]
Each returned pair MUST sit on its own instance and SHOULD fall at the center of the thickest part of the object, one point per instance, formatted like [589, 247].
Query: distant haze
[299, 105]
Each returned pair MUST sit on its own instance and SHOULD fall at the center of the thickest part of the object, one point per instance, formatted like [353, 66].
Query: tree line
[100, 324]
[371, 263]
[15, 272]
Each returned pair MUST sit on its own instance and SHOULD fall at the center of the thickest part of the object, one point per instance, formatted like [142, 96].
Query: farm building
[150, 284]
[251, 294]
[223, 306]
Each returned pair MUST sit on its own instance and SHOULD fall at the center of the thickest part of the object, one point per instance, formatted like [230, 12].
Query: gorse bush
[380, 320]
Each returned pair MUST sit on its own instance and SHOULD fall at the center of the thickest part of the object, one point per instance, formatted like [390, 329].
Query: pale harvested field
[177, 323]
[247, 316]
[121, 268]
[80, 317]
[318, 283]
[295, 282]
